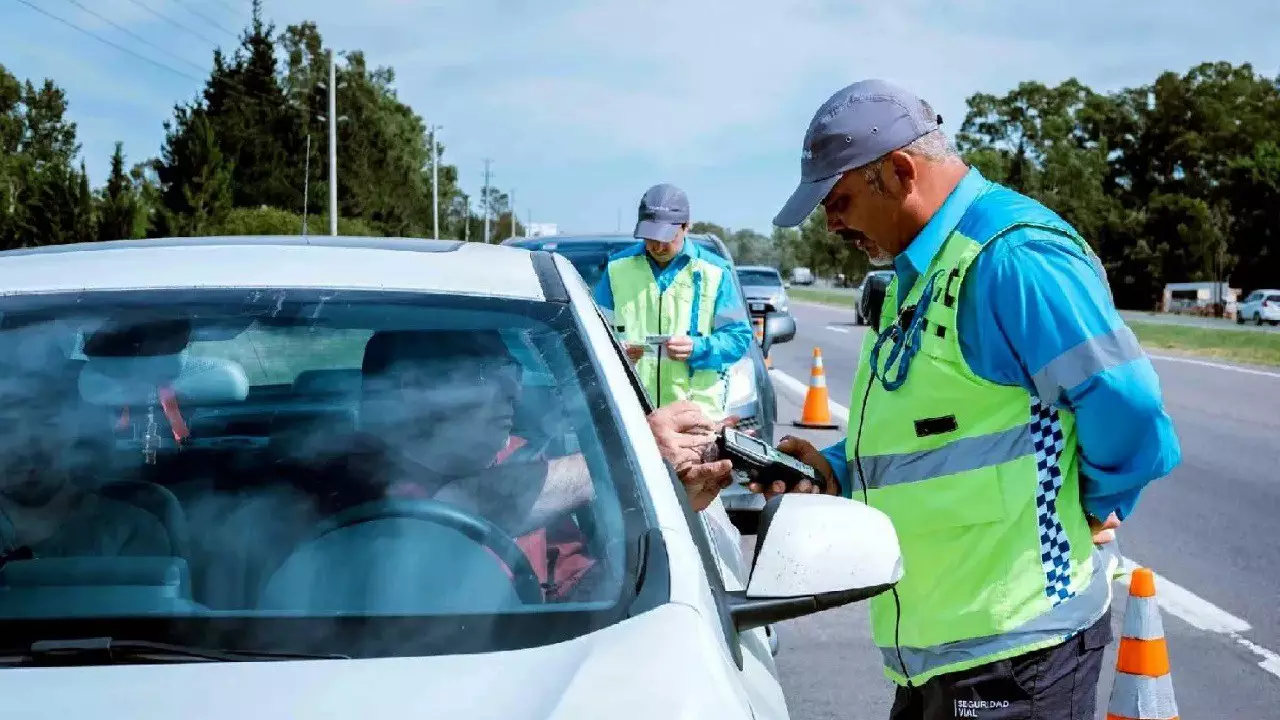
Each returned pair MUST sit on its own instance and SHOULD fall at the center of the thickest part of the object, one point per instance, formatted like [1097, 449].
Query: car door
[718, 537]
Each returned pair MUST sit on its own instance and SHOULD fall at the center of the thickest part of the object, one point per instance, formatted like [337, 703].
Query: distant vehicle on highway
[764, 289]
[211, 378]
[1259, 307]
[869, 296]
[801, 276]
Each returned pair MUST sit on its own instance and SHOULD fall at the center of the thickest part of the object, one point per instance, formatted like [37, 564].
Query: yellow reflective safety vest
[686, 308]
[979, 479]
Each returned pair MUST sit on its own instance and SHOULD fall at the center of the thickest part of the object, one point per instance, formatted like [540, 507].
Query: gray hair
[933, 146]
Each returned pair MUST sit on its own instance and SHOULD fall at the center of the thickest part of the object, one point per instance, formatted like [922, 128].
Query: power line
[231, 88]
[101, 39]
[173, 22]
[204, 17]
[228, 6]
[133, 34]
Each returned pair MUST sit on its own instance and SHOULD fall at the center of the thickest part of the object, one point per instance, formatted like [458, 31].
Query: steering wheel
[474, 527]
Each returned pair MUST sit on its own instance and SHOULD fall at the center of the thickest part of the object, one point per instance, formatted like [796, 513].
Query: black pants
[1057, 683]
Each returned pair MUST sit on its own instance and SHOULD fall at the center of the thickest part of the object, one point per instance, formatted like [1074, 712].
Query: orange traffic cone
[758, 325]
[817, 404]
[1143, 688]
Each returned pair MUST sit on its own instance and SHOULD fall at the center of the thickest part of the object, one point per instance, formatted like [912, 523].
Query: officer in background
[675, 307]
[1005, 417]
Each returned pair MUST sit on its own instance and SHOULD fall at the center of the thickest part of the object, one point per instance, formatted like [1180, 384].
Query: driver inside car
[444, 404]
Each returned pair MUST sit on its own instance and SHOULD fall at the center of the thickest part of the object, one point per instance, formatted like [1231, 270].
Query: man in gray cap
[1004, 417]
[675, 306]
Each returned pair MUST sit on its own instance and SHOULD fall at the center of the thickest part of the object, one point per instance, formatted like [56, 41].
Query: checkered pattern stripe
[1055, 547]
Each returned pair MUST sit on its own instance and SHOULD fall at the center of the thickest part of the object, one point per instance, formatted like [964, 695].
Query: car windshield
[344, 472]
[767, 278]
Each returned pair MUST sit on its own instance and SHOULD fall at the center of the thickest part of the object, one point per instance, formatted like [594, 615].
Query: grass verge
[818, 295]
[1244, 346]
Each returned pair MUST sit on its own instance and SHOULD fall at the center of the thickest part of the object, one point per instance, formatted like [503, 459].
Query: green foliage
[273, 221]
[247, 157]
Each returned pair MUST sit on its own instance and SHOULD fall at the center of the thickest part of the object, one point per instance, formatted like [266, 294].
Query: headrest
[388, 347]
[119, 381]
[327, 383]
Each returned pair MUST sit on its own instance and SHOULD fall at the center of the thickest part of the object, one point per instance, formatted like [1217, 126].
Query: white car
[1259, 307]
[210, 544]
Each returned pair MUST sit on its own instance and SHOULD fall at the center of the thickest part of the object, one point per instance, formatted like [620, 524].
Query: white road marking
[833, 328]
[1219, 366]
[1173, 598]
[839, 413]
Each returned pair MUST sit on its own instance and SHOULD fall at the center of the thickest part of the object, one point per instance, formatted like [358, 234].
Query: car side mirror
[778, 328]
[871, 301]
[814, 553]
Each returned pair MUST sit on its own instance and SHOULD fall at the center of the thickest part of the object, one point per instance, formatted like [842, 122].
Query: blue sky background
[583, 104]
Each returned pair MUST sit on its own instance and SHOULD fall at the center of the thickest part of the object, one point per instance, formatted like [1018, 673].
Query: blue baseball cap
[858, 124]
[663, 209]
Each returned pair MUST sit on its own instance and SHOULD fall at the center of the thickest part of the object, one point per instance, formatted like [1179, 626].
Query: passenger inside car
[47, 505]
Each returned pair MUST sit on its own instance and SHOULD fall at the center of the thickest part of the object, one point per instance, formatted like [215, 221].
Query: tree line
[1177, 180]
[248, 156]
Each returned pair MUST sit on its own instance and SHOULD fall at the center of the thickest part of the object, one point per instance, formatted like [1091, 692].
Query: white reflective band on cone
[1142, 619]
[1143, 698]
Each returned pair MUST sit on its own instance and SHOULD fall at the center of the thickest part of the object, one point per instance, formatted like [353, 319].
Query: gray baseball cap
[662, 210]
[858, 124]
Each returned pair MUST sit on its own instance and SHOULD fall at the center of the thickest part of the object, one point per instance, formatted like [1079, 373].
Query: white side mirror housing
[815, 552]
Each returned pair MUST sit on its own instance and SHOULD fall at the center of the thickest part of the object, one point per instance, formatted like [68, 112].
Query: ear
[905, 172]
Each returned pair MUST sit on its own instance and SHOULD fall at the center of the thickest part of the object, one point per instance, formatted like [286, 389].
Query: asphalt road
[1209, 530]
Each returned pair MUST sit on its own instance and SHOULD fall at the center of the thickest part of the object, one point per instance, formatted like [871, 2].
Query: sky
[583, 104]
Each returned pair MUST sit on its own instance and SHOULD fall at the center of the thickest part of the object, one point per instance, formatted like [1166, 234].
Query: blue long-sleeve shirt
[1034, 312]
[731, 336]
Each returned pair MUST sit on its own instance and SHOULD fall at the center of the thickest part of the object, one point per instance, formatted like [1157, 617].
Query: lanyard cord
[904, 342]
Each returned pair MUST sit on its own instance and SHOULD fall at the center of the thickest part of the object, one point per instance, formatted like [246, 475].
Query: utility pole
[333, 144]
[306, 187]
[528, 221]
[466, 217]
[484, 199]
[511, 210]
[435, 185]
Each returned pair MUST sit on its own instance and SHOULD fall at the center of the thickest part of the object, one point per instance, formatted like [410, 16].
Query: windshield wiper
[110, 651]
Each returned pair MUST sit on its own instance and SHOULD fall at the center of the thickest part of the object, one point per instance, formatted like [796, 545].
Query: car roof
[760, 268]
[359, 263]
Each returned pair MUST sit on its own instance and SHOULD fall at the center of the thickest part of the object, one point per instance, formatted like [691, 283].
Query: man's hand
[805, 452]
[635, 351]
[1104, 531]
[680, 347]
[686, 438]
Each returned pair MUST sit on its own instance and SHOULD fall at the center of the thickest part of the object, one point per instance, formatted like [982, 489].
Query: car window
[1273, 298]
[313, 455]
[767, 278]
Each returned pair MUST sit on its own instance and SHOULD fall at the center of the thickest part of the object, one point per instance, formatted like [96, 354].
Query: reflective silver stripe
[1135, 696]
[1142, 619]
[968, 453]
[1085, 360]
[1065, 619]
